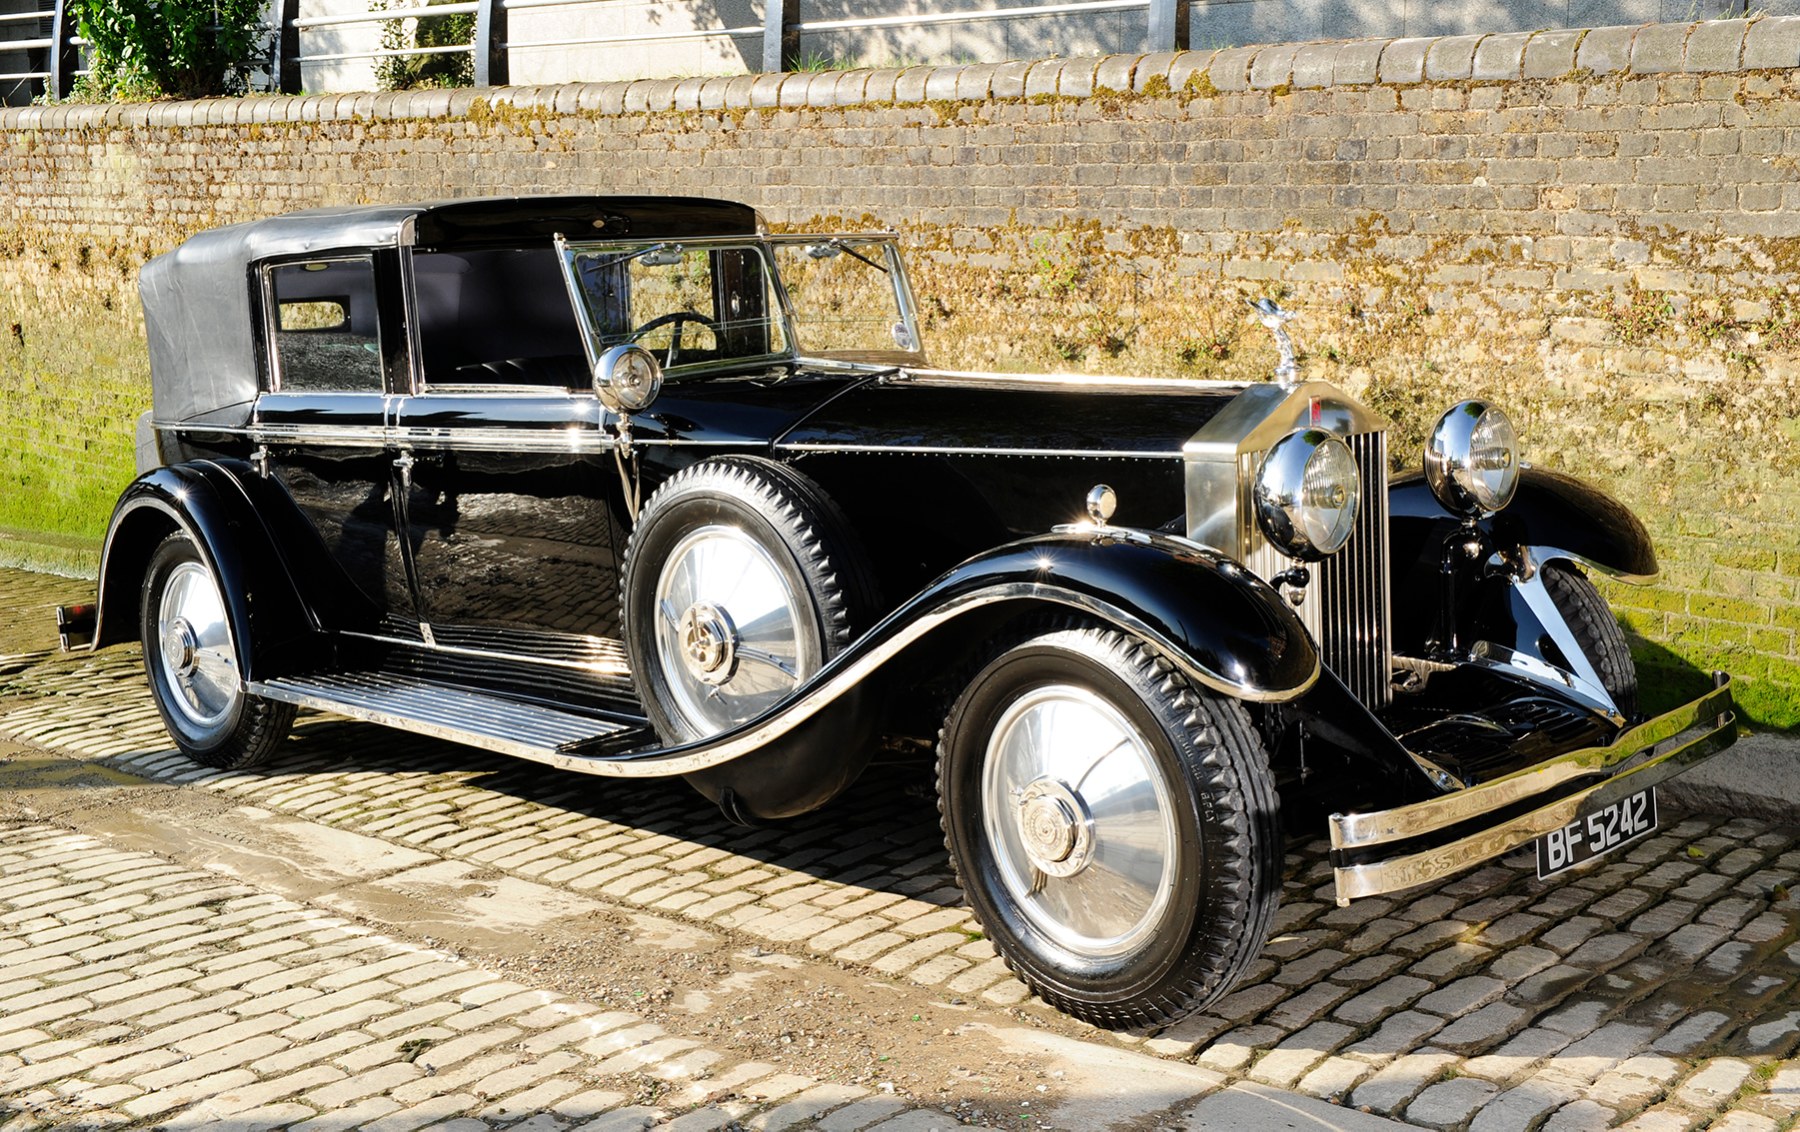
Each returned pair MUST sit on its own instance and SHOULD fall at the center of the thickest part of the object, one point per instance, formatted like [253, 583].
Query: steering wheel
[679, 318]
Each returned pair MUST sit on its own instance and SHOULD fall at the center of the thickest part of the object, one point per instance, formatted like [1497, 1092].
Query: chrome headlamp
[627, 378]
[1472, 459]
[1306, 494]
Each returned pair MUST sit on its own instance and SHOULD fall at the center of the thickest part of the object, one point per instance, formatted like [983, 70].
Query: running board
[564, 739]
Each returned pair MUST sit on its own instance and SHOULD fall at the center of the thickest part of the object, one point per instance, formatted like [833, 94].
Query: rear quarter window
[326, 332]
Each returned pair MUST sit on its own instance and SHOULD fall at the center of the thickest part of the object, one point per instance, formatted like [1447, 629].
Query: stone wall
[1599, 229]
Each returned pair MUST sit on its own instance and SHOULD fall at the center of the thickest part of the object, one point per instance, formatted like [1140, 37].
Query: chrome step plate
[574, 742]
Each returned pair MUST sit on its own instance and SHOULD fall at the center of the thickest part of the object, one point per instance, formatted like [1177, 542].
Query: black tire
[1597, 631]
[809, 548]
[240, 730]
[1223, 881]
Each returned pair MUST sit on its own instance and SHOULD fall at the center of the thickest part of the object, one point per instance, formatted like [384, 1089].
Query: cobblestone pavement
[1656, 989]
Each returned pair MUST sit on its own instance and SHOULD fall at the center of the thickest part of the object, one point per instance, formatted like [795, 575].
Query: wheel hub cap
[732, 637]
[193, 647]
[708, 643]
[180, 645]
[1080, 820]
[1055, 828]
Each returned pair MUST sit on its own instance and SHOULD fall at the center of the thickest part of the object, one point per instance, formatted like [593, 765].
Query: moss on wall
[1616, 260]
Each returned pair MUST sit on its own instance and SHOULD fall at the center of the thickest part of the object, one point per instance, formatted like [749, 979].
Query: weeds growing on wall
[171, 48]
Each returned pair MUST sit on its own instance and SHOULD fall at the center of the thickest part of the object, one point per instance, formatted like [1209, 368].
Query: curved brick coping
[1711, 46]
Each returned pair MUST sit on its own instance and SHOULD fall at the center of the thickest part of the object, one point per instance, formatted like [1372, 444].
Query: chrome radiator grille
[1351, 587]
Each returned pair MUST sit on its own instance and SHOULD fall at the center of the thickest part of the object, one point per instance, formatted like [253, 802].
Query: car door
[322, 425]
[512, 502]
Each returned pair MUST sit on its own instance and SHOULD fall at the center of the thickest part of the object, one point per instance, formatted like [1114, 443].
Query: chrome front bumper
[1389, 850]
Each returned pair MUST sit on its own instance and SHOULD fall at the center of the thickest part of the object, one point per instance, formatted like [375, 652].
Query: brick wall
[1600, 229]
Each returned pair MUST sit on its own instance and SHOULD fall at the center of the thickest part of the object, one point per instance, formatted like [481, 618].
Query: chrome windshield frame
[766, 245]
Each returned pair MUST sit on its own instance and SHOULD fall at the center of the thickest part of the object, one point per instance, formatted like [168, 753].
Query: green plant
[436, 69]
[1641, 318]
[184, 48]
[814, 62]
[1059, 266]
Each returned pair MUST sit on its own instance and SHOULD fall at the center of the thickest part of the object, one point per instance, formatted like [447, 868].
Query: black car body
[631, 487]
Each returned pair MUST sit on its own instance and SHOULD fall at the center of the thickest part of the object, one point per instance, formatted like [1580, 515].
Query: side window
[326, 328]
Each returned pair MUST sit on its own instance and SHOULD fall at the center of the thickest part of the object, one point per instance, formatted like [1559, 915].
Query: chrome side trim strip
[1353, 831]
[576, 439]
[837, 678]
[852, 668]
[1434, 864]
[616, 668]
[934, 450]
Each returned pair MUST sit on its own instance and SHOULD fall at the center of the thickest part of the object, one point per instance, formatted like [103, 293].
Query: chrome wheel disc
[1080, 819]
[194, 648]
[732, 636]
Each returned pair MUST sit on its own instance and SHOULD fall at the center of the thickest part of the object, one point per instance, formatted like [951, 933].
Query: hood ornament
[1273, 317]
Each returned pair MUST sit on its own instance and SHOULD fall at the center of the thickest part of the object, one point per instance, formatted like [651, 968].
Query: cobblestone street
[382, 931]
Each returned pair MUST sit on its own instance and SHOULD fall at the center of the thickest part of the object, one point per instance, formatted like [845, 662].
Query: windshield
[692, 307]
[848, 299]
[705, 303]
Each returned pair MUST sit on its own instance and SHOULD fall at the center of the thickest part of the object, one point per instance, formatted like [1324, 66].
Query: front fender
[1217, 623]
[271, 626]
[1552, 516]
[1226, 628]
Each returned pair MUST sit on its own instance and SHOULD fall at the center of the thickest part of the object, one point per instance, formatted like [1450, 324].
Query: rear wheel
[191, 660]
[1597, 631]
[1113, 827]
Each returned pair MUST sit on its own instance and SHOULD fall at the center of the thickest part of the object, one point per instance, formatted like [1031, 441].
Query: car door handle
[403, 463]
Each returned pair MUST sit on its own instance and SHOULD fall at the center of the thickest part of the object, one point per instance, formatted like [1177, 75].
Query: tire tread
[1230, 767]
[1597, 631]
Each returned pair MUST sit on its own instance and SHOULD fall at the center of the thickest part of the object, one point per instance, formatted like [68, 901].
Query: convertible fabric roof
[198, 312]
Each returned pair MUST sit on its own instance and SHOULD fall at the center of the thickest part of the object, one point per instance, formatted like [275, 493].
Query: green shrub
[180, 48]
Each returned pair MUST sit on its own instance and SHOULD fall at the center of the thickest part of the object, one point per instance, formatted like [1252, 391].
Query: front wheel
[1114, 827]
[191, 660]
[1596, 631]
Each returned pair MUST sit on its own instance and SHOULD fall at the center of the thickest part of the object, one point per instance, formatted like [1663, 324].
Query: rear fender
[272, 627]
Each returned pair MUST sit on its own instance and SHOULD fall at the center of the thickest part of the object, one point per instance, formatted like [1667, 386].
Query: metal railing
[1165, 29]
[61, 48]
[490, 47]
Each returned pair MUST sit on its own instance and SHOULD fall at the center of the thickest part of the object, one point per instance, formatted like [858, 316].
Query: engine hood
[918, 411]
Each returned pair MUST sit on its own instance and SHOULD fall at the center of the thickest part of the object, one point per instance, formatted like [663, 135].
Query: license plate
[1601, 831]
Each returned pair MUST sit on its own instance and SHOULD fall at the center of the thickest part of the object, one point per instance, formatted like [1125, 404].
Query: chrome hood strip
[948, 450]
[972, 379]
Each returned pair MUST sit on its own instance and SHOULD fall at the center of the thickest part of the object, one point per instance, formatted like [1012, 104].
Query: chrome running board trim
[564, 739]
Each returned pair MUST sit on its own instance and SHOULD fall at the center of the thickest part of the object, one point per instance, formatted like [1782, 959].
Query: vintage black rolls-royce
[632, 487]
